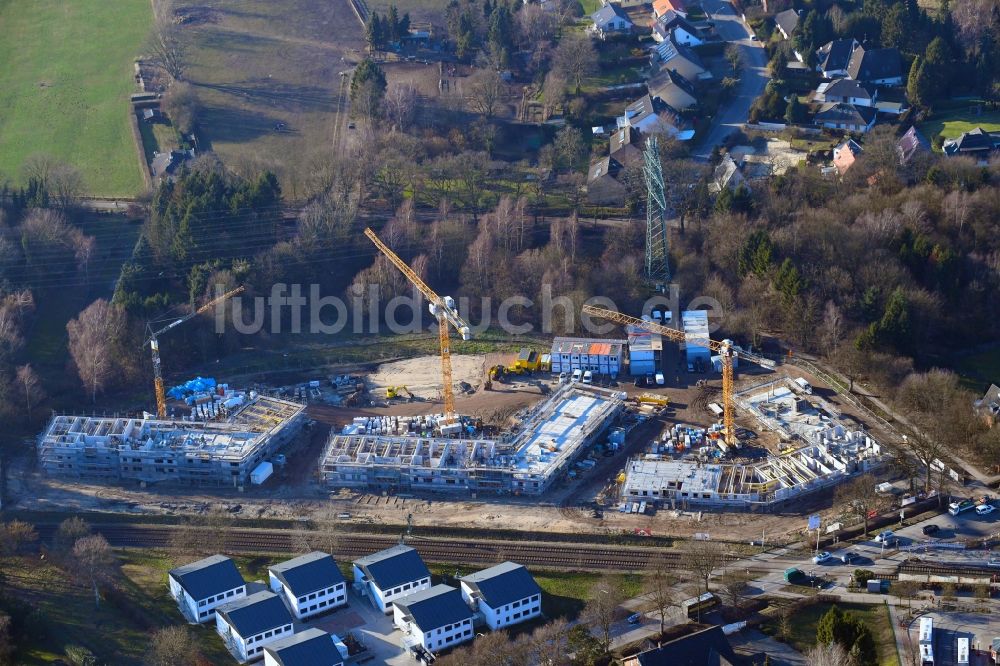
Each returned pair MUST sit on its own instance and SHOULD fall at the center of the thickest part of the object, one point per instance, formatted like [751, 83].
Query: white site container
[261, 473]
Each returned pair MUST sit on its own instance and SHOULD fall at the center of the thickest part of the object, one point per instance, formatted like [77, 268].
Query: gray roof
[393, 566]
[673, 90]
[257, 613]
[672, 19]
[607, 13]
[502, 584]
[708, 647]
[787, 20]
[874, 64]
[622, 146]
[208, 577]
[845, 113]
[436, 607]
[606, 166]
[312, 647]
[679, 58]
[911, 143]
[973, 141]
[849, 88]
[308, 573]
[835, 55]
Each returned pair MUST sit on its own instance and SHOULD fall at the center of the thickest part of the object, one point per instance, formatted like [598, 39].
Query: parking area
[979, 628]
[371, 627]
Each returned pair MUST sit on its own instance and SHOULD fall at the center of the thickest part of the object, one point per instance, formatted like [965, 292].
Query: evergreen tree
[795, 113]
[392, 25]
[918, 89]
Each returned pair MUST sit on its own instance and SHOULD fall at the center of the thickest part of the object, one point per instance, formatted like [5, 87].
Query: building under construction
[819, 452]
[210, 453]
[549, 438]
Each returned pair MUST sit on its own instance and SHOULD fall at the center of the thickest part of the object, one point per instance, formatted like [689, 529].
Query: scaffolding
[221, 453]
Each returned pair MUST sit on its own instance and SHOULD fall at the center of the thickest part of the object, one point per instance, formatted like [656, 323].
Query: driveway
[753, 76]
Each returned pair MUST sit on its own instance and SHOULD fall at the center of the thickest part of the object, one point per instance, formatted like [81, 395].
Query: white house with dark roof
[833, 57]
[434, 618]
[505, 594]
[671, 55]
[610, 19]
[849, 117]
[249, 624]
[677, 26]
[787, 21]
[312, 647]
[391, 574]
[878, 66]
[310, 583]
[200, 587]
[846, 91]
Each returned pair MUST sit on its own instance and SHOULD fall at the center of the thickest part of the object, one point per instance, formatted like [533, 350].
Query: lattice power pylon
[657, 245]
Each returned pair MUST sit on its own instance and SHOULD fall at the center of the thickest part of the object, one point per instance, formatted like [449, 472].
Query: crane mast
[154, 347]
[724, 348]
[443, 310]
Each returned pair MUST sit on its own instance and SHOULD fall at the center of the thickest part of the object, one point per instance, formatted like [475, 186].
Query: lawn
[875, 617]
[951, 124]
[977, 370]
[65, 85]
[590, 6]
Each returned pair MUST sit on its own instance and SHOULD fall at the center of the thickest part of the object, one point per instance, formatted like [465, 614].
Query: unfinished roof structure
[550, 437]
[151, 450]
[826, 454]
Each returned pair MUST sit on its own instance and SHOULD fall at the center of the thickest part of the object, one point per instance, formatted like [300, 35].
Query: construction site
[814, 451]
[224, 452]
[540, 449]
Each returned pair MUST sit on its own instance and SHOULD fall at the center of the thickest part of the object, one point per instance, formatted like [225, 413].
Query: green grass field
[64, 87]
[875, 617]
[979, 369]
[952, 123]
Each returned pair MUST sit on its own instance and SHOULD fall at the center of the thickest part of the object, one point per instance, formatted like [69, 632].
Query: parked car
[563, 377]
[588, 377]
[985, 509]
[660, 381]
[820, 558]
[634, 618]
[930, 529]
[884, 537]
[847, 557]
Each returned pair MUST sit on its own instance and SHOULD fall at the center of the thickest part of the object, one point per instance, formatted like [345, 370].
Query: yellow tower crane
[724, 348]
[154, 346]
[443, 310]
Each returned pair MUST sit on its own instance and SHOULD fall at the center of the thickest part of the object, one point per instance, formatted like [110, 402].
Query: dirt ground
[422, 375]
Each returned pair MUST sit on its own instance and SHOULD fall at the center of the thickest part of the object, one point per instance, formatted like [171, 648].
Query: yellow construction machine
[398, 392]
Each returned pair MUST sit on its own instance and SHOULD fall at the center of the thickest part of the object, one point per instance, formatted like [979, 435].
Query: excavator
[397, 393]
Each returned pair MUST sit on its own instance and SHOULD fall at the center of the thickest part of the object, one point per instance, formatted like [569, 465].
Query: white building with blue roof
[200, 587]
[435, 618]
[391, 574]
[504, 595]
[311, 584]
[249, 624]
[312, 647]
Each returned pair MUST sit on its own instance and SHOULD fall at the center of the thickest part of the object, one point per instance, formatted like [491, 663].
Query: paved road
[753, 77]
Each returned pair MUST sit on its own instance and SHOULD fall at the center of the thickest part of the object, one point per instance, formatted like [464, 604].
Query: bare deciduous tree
[859, 497]
[486, 89]
[660, 581]
[171, 646]
[703, 558]
[15, 535]
[165, 43]
[180, 103]
[94, 337]
[70, 531]
[604, 609]
[575, 58]
[549, 644]
[831, 654]
[94, 561]
[401, 105]
[31, 387]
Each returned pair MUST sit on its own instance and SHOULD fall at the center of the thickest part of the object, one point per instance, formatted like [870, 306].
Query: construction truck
[528, 360]
[398, 393]
[498, 373]
[653, 399]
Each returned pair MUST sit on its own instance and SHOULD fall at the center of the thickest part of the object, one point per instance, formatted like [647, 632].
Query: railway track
[446, 551]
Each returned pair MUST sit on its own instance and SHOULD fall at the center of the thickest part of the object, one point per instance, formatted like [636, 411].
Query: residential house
[164, 164]
[152, 115]
[312, 647]
[202, 586]
[624, 149]
[505, 594]
[435, 618]
[726, 176]
[978, 144]
[787, 21]
[311, 584]
[878, 66]
[833, 57]
[251, 623]
[846, 91]
[845, 155]
[911, 144]
[673, 90]
[848, 117]
[603, 186]
[391, 574]
[671, 55]
[650, 116]
[661, 7]
[610, 20]
[706, 647]
[672, 24]
[989, 405]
